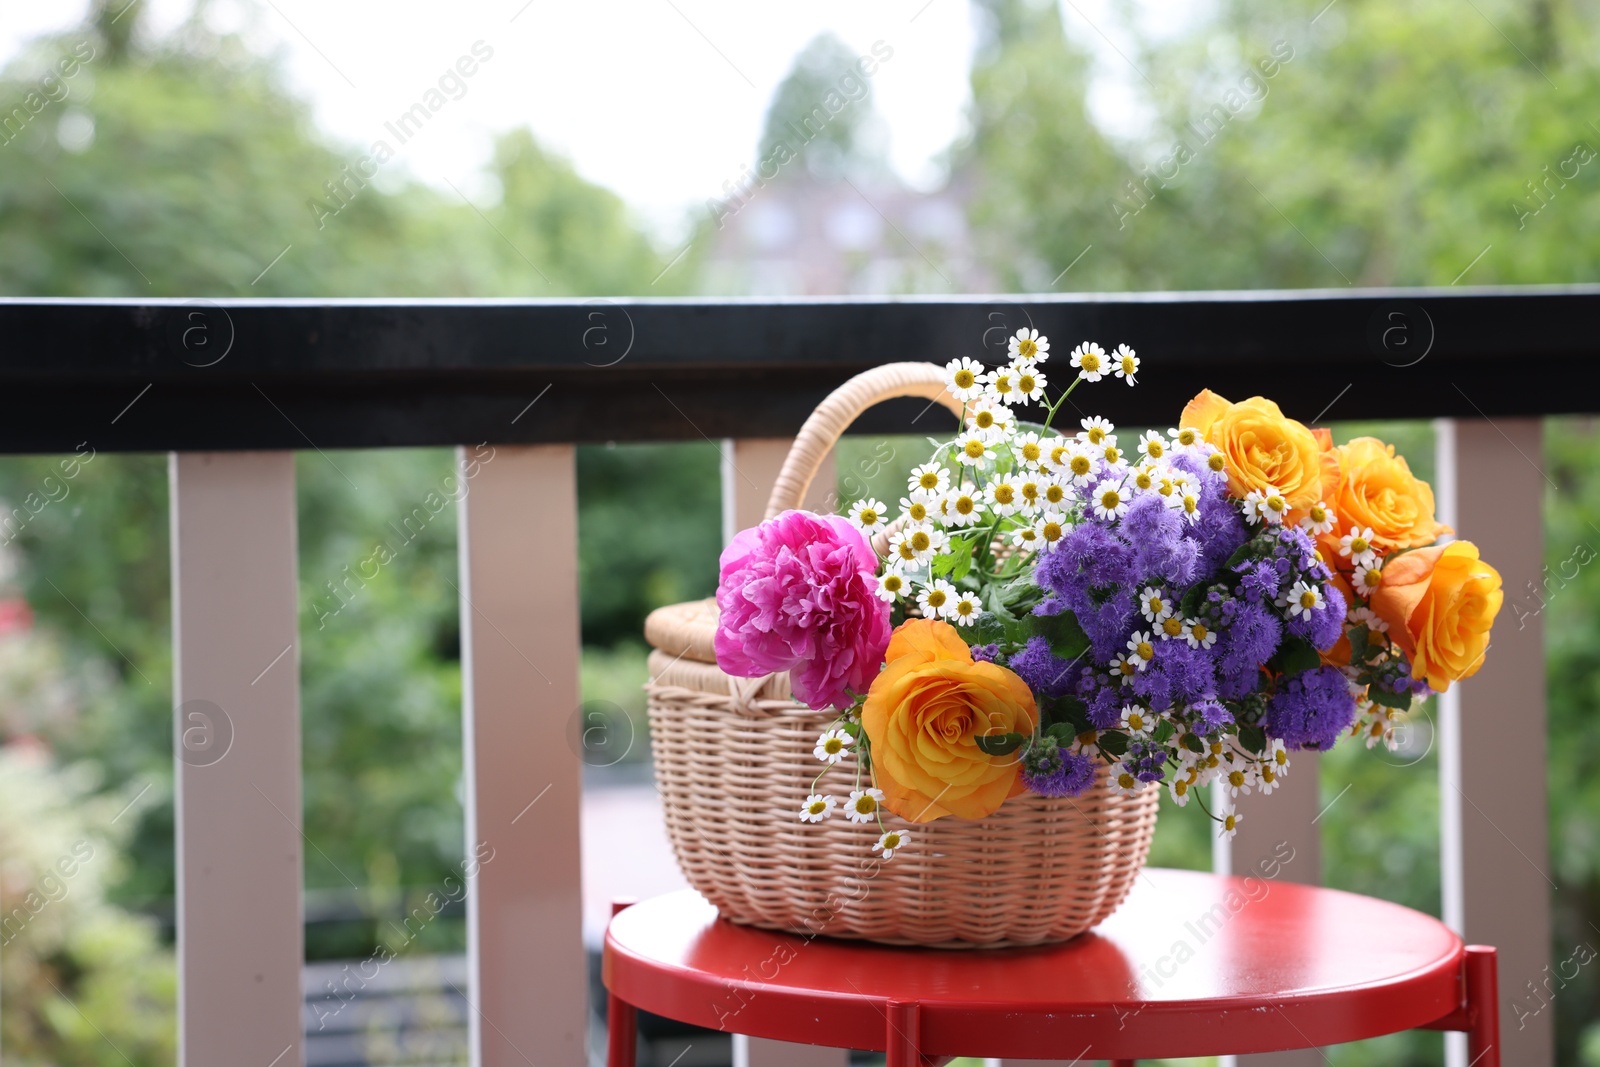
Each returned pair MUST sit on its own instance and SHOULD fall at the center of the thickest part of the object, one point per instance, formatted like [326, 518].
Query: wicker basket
[734, 761]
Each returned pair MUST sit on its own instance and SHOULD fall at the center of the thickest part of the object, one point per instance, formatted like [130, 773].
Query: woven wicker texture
[734, 763]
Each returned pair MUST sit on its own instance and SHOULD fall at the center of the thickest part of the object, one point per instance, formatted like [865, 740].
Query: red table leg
[1483, 1007]
[904, 1044]
[622, 1019]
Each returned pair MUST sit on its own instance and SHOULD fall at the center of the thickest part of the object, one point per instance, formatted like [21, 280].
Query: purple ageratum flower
[1211, 716]
[1088, 558]
[1146, 761]
[1325, 624]
[1249, 642]
[1190, 671]
[1047, 674]
[986, 653]
[798, 593]
[1055, 772]
[1260, 581]
[1311, 709]
[1105, 706]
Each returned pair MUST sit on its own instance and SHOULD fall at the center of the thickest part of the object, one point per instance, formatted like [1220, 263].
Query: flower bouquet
[1052, 628]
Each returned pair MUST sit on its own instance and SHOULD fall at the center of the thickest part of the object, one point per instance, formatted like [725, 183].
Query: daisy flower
[1053, 494]
[914, 508]
[1267, 779]
[1136, 720]
[1028, 450]
[1098, 431]
[1051, 527]
[816, 808]
[1030, 382]
[1370, 618]
[892, 841]
[1230, 825]
[1125, 668]
[965, 609]
[1000, 386]
[1144, 480]
[1153, 444]
[1030, 345]
[1173, 628]
[1217, 463]
[1056, 451]
[1110, 501]
[1154, 603]
[963, 506]
[1140, 649]
[1318, 519]
[964, 378]
[1238, 781]
[1303, 599]
[973, 448]
[1111, 453]
[1266, 505]
[1278, 756]
[1199, 635]
[1025, 537]
[929, 478]
[1179, 788]
[1079, 464]
[1030, 491]
[1189, 505]
[832, 746]
[1090, 360]
[1125, 782]
[892, 585]
[1367, 580]
[1003, 496]
[863, 804]
[1357, 544]
[1126, 363]
[990, 418]
[935, 599]
[1184, 440]
[869, 515]
[915, 544]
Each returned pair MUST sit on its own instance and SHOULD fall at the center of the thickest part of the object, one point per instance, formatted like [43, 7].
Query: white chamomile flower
[1028, 450]
[1173, 628]
[1000, 386]
[863, 804]
[1303, 599]
[1051, 526]
[1188, 504]
[915, 508]
[1124, 667]
[1079, 465]
[974, 448]
[1090, 360]
[1216, 464]
[1318, 519]
[1111, 453]
[1143, 480]
[1266, 505]
[869, 515]
[1371, 619]
[1029, 345]
[1278, 756]
[1153, 444]
[892, 585]
[1098, 432]
[1136, 720]
[964, 378]
[891, 842]
[965, 609]
[1054, 494]
[1141, 649]
[1200, 635]
[1030, 382]
[935, 599]
[1110, 501]
[1003, 496]
[1357, 544]
[1367, 579]
[1185, 439]
[1154, 603]
[1179, 789]
[1126, 363]
[992, 419]
[1030, 493]
[963, 506]
[1056, 452]
[1025, 537]
[930, 478]
[833, 746]
[1239, 780]
[816, 808]
[1229, 825]
[913, 546]
[1125, 783]
[1267, 779]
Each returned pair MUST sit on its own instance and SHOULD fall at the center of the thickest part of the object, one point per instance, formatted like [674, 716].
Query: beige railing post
[236, 669]
[519, 667]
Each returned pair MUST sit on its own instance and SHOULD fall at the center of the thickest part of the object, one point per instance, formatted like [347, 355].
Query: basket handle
[842, 407]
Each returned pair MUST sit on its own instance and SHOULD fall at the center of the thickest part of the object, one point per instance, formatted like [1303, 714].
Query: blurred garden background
[1279, 145]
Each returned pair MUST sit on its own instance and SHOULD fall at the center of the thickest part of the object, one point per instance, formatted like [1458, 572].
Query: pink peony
[799, 594]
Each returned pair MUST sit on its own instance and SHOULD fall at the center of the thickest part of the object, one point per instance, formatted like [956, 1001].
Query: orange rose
[1376, 488]
[1262, 448]
[1440, 603]
[921, 715]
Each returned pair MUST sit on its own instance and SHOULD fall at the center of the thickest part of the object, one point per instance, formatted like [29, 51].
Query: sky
[661, 101]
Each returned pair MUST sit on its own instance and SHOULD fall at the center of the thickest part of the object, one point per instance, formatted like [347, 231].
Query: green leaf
[1164, 731]
[1358, 644]
[1063, 632]
[1113, 743]
[1063, 733]
[1253, 738]
[963, 558]
[1193, 743]
[1296, 655]
[998, 744]
[1379, 695]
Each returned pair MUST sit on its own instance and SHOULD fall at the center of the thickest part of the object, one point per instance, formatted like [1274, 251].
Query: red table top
[1192, 964]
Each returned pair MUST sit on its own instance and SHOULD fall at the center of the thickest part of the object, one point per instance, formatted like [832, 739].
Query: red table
[1191, 965]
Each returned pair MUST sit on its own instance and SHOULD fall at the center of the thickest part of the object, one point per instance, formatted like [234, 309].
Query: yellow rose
[1440, 603]
[1261, 446]
[1376, 488]
[921, 715]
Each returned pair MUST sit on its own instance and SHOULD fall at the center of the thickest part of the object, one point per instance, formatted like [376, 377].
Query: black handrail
[289, 374]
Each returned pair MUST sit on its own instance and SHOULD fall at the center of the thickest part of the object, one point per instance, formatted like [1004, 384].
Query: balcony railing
[232, 389]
